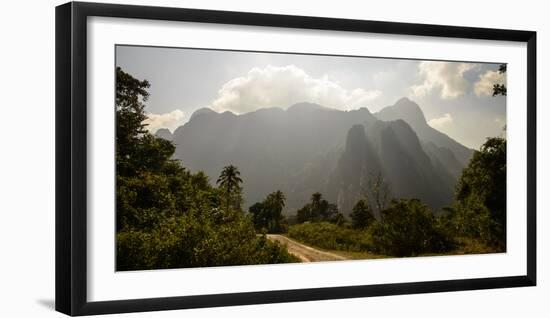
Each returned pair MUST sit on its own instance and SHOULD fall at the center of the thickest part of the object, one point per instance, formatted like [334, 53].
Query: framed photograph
[210, 158]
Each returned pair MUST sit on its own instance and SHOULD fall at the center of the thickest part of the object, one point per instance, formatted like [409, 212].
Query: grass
[359, 255]
[331, 237]
[347, 254]
[466, 246]
[472, 246]
[357, 244]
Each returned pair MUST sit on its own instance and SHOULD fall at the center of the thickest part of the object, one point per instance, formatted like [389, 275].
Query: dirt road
[303, 252]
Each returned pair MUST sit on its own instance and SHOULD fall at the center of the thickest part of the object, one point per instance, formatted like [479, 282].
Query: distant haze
[454, 97]
[309, 148]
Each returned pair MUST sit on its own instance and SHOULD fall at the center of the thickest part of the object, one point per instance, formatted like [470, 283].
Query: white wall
[27, 158]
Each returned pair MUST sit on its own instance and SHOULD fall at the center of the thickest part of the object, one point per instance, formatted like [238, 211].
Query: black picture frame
[71, 157]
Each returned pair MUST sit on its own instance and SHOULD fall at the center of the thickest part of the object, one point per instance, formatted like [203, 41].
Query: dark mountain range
[411, 113]
[309, 148]
[393, 150]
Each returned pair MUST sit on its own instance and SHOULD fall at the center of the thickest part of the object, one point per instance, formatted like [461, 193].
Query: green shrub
[472, 219]
[267, 215]
[362, 216]
[408, 228]
[168, 217]
[331, 236]
[480, 202]
[191, 241]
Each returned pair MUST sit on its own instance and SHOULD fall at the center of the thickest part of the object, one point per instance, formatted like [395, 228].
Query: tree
[166, 216]
[316, 200]
[259, 216]
[277, 200]
[318, 209]
[332, 214]
[361, 215]
[377, 194]
[230, 182]
[470, 218]
[130, 114]
[500, 89]
[338, 219]
[142, 161]
[408, 228]
[303, 214]
[482, 190]
[267, 215]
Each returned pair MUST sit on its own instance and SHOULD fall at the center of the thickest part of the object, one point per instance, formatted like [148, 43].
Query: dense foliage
[267, 215]
[474, 223]
[168, 217]
[409, 228]
[500, 89]
[196, 240]
[362, 215]
[319, 209]
[331, 236]
[479, 210]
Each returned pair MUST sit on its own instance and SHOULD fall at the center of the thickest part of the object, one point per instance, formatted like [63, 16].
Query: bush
[480, 202]
[361, 216]
[168, 217]
[408, 228]
[133, 251]
[192, 241]
[267, 215]
[331, 236]
[268, 252]
[472, 219]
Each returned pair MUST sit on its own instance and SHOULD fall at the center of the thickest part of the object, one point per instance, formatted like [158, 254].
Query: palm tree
[279, 199]
[316, 199]
[230, 181]
[276, 203]
[316, 202]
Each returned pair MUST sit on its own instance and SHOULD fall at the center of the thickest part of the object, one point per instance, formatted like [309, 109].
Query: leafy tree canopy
[267, 215]
[319, 209]
[480, 208]
[500, 89]
[168, 217]
[362, 216]
[230, 183]
[408, 228]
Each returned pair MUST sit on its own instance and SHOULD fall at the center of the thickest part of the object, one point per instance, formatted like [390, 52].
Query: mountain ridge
[311, 148]
[409, 111]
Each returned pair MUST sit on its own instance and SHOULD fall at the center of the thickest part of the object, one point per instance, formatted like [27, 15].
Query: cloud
[171, 120]
[283, 86]
[439, 122]
[446, 77]
[484, 86]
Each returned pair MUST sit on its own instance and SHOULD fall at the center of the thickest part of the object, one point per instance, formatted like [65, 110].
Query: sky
[456, 97]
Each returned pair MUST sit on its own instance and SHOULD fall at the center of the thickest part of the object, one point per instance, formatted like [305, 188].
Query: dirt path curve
[303, 252]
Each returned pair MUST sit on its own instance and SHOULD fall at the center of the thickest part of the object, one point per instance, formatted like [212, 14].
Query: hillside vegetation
[168, 217]
[475, 222]
[389, 193]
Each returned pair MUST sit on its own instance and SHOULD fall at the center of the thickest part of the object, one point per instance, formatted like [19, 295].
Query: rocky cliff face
[411, 113]
[309, 148]
[393, 151]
